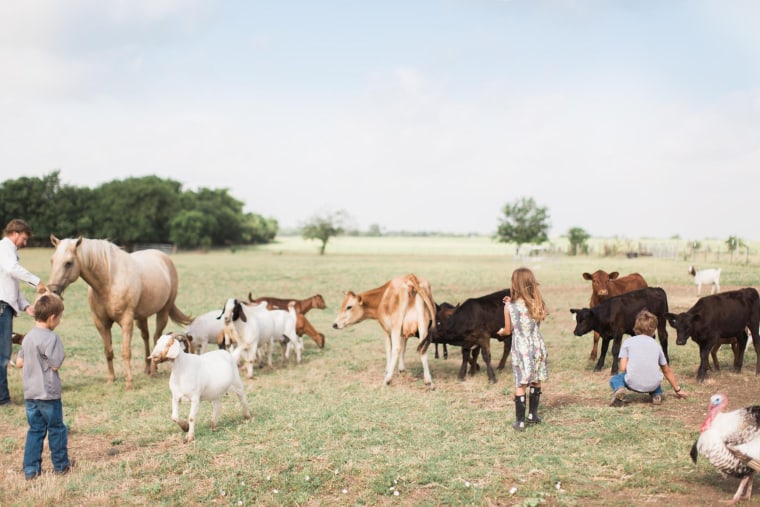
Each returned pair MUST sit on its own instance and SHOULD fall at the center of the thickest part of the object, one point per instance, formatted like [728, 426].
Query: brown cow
[604, 285]
[303, 326]
[402, 306]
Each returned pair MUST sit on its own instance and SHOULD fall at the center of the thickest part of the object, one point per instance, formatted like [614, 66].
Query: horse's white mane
[98, 252]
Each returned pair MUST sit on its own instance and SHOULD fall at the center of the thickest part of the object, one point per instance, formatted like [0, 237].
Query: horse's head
[64, 264]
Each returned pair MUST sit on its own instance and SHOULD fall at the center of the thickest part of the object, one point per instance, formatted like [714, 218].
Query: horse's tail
[179, 317]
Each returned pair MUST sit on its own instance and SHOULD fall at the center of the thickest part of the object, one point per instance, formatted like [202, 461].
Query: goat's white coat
[204, 329]
[706, 277]
[285, 332]
[194, 378]
[257, 331]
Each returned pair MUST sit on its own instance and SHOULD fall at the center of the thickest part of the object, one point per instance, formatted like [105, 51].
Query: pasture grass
[327, 432]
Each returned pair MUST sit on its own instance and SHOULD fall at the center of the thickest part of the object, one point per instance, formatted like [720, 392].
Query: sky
[635, 119]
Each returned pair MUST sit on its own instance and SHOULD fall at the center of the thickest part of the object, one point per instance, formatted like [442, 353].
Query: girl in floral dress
[523, 313]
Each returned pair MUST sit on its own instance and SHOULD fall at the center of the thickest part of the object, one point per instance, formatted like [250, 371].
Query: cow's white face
[351, 311]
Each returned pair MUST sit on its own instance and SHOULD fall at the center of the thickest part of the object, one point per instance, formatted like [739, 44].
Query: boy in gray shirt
[41, 356]
[643, 364]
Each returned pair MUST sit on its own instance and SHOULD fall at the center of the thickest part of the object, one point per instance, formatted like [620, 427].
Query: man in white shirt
[12, 300]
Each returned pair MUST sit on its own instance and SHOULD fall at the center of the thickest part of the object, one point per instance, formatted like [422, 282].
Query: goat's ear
[174, 349]
[250, 296]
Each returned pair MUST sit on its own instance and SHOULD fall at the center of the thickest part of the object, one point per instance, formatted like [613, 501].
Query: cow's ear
[614, 275]
[574, 310]
[587, 276]
[358, 300]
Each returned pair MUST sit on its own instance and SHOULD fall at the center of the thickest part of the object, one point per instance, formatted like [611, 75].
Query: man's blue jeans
[45, 417]
[618, 381]
[6, 330]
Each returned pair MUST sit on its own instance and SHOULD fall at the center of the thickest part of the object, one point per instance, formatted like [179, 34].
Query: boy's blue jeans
[45, 417]
[618, 381]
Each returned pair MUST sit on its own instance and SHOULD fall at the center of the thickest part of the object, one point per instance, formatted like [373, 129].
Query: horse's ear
[79, 240]
[54, 240]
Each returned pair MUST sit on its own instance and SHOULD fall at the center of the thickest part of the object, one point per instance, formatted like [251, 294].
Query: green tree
[324, 226]
[190, 229]
[578, 237]
[136, 210]
[258, 229]
[523, 222]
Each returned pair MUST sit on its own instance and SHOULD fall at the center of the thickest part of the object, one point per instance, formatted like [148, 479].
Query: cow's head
[600, 280]
[584, 320]
[351, 311]
[683, 323]
[443, 312]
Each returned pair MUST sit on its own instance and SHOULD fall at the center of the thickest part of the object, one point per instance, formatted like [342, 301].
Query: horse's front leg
[142, 325]
[104, 329]
[127, 323]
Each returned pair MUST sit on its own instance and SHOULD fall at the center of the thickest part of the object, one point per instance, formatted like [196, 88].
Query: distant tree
[257, 229]
[324, 226]
[578, 237]
[523, 222]
[733, 243]
[374, 230]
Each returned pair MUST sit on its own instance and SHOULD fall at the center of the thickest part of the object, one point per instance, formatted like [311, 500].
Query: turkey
[731, 442]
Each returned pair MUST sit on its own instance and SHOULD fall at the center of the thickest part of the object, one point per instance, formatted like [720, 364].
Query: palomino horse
[123, 288]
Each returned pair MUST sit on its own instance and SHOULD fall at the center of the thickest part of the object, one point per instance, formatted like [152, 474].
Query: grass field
[327, 432]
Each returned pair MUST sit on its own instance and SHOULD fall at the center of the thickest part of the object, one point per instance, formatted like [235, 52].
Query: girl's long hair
[525, 287]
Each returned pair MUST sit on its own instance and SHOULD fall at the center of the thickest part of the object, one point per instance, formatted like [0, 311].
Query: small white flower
[224, 493]
[512, 490]
[269, 477]
[240, 502]
[242, 483]
[391, 488]
[466, 484]
[558, 486]
[275, 491]
[308, 478]
[345, 490]
[396, 493]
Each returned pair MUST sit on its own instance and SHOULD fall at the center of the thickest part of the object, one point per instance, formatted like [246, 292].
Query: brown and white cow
[402, 306]
[604, 285]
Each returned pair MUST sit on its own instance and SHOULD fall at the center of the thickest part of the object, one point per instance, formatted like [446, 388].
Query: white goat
[285, 332]
[195, 378]
[203, 330]
[248, 328]
[706, 277]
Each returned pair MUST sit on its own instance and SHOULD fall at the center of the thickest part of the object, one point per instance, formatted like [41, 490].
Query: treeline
[134, 210]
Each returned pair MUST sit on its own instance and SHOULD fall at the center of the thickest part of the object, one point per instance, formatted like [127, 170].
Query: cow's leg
[395, 351]
[505, 354]
[662, 334]
[425, 366]
[592, 356]
[616, 342]
[741, 345]
[704, 351]
[402, 352]
[465, 362]
[754, 323]
[485, 351]
[387, 342]
[714, 355]
[445, 351]
[474, 360]
[605, 346]
[436, 351]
